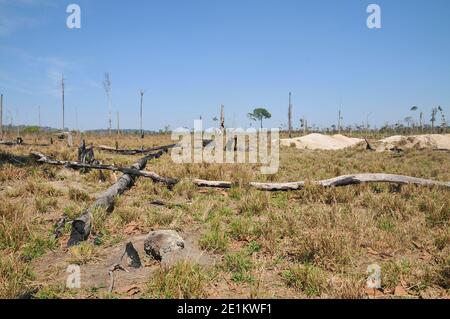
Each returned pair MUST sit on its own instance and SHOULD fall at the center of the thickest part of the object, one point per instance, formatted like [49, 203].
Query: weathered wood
[351, 180]
[164, 148]
[81, 226]
[20, 141]
[332, 182]
[126, 170]
[219, 184]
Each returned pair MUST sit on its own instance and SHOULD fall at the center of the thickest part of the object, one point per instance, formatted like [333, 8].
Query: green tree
[259, 114]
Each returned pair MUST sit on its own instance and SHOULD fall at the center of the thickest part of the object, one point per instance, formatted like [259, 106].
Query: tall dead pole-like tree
[62, 93]
[39, 116]
[76, 118]
[118, 124]
[222, 118]
[339, 121]
[290, 116]
[1, 116]
[142, 100]
[107, 87]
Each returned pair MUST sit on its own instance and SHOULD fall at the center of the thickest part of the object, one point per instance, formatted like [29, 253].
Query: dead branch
[164, 148]
[332, 182]
[219, 184]
[158, 202]
[126, 170]
[351, 180]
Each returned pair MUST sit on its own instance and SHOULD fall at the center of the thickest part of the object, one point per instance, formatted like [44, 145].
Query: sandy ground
[317, 141]
[435, 141]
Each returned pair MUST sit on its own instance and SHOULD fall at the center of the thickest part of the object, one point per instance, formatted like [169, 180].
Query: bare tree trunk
[164, 148]
[339, 122]
[332, 182]
[118, 124]
[62, 92]
[351, 180]
[81, 226]
[90, 164]
[222, 118]
[219, 184]
[142, 98]
[290, 116]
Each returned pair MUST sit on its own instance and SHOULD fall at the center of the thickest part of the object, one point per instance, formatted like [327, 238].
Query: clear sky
[190, 56]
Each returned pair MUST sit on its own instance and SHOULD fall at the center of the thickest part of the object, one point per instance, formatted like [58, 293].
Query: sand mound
[435, 141]
[317, 141]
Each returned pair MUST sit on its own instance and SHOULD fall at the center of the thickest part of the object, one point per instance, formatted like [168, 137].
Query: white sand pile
[434, 141]
[317, 141]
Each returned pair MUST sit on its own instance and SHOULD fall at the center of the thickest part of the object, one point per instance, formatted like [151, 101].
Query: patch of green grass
[306, 278]
[77, 195]
[215, 239]
[182, 281]
[43, 203]
[82, 253]
[57, 291]
[15, 276]
[385, 223]
[239, 264]
[37, 246]
[392, 272]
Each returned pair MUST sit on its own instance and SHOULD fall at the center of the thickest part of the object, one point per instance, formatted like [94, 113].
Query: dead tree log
[126, 170]
[219, 184]
[19, 141]
[351, 180]
[163, 148]
[81, 226]
[332, 182]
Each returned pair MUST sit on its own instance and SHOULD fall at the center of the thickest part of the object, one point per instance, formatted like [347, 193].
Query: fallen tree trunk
[351, 180]
[126, 170]
[163, 148]
[20, 142]
[219, 184]
[81, 226]
[332, 182]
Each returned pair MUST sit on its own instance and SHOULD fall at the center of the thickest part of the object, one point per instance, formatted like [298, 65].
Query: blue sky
[191, 56]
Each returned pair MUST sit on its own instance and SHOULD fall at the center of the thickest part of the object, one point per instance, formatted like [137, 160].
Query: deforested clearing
[239, 242]
[317, 141]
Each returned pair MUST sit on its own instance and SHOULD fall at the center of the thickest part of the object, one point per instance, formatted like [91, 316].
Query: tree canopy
[259, 114]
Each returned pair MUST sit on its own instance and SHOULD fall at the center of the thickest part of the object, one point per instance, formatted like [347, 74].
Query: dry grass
[313, 242]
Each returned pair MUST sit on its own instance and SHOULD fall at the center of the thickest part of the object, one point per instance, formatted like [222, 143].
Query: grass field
[310, 243]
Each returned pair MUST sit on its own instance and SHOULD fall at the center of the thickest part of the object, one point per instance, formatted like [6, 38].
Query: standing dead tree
[85, 154]
[141, 92]
[107, 87]
[222, 118]
[290, 116]
[62, 94]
